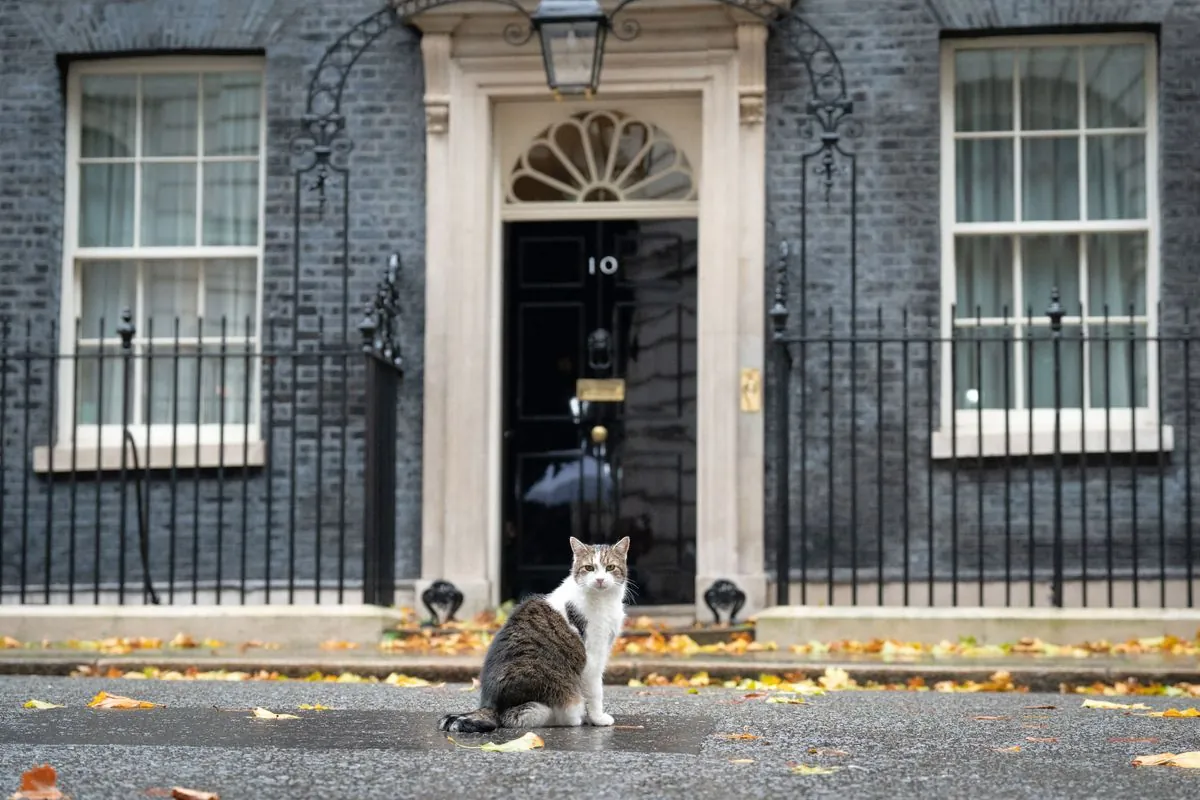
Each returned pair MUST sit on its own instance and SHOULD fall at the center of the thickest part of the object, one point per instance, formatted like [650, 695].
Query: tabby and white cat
[546, 665]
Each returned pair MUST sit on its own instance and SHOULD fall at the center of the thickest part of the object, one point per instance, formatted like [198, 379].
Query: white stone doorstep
[288, 626]
[796, 624]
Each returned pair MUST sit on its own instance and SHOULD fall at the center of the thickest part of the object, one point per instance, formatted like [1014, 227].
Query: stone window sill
[966, 442]
[107, 457]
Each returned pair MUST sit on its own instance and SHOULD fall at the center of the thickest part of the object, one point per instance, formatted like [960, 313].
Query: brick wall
[382, 103]
[890, 55]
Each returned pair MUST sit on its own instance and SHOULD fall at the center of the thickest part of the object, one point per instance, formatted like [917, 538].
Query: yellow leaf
[1016, 748]
[529, 741]
[473, 687]
[805, 769]
[1172, 712]
[406, 681]
[312, 707]
[1090, 703]
[41, 704]
[106, 700]
[8, 642]
[741, 761]
[262, 713]
[786, 698]
[693, 690]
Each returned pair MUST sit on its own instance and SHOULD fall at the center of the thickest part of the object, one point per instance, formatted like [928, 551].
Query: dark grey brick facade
[890, 54]
[889, 50]
[386, 122]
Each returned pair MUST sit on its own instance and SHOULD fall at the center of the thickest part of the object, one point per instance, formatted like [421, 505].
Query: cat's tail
[480, 721]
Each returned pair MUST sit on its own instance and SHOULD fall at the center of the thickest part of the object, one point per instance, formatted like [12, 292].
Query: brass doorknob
[599, 434]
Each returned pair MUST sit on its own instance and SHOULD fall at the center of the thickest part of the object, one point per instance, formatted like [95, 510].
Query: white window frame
[99, 446]
[996, 432]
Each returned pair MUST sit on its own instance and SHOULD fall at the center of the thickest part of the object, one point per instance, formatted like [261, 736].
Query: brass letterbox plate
[600, 390]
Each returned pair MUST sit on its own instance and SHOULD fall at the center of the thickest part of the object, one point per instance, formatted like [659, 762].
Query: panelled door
[600, 418]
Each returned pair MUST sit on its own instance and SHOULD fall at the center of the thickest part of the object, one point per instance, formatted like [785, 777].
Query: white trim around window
[1006, 219]
[162, 133]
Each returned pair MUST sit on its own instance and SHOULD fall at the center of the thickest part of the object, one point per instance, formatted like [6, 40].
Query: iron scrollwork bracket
[380, 327]
[830, 111]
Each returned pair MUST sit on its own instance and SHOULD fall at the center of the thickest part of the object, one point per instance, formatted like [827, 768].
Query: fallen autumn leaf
[39, 783]
[1188, 760]
[115, 701]
[180, 793]
[42, 704]
[262, 713]
[805, 769]
[1172, 712]
[1090, 703]
[529, 741]
[741, 761]
[826, 751]
[313, 707]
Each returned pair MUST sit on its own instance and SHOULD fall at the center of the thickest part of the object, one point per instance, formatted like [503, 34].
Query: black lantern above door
[572, 34]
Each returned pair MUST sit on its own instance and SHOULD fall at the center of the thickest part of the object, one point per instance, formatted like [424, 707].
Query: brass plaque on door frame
[751, 390]
[600, 390]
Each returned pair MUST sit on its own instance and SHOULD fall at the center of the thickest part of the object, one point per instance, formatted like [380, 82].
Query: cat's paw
[601, 720]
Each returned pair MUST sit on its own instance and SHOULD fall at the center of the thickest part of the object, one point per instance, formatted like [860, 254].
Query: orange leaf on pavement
[105, 700]
[39, 783]
[180, 793]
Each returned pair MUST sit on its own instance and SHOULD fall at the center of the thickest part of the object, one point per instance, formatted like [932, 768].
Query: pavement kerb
[1034, 676]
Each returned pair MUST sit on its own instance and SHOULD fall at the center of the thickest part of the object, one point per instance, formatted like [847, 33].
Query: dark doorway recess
[614, 303]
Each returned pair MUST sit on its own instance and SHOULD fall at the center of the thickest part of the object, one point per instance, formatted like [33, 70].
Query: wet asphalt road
[380, 741]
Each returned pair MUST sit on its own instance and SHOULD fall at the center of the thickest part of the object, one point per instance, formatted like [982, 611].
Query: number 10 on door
[608, 265]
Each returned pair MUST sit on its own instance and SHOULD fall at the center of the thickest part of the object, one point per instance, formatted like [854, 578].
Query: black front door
[600, 424]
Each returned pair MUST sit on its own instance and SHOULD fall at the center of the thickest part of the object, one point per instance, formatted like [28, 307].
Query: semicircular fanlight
[601, 157]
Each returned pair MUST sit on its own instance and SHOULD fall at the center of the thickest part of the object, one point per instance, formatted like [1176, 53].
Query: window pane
[100, 387]
[1116, 86]
[1118, 365]
[174, 377]
[1049, 262]
[170, 109]
[230, 291]
[231, 203]
[232, 114]
[106, 205]
[985, 180]
[109, 108]
[1050, 178]
[983, 265]
[1116, 273]
[981, 358]
[223, 383]
[105, 289]
[172, 290]
[168, 204]
[983, 90]
[1050, 88]
[1116, 168]
[1041, 364]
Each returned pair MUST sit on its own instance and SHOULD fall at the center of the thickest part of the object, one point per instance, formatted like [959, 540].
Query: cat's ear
[621, 548]
[580, 549]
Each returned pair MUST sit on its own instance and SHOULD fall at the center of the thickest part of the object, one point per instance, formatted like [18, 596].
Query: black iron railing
[231, 467]
[956, 459]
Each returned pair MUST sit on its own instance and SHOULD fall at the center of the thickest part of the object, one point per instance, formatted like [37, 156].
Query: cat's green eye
[610, 567]
[588, 567]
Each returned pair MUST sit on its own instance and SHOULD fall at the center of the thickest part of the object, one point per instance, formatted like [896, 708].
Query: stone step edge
[1035, 677]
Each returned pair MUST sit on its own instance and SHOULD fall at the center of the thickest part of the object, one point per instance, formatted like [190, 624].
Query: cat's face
[600, 567]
